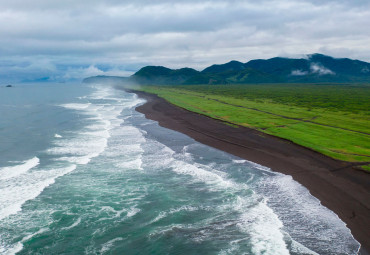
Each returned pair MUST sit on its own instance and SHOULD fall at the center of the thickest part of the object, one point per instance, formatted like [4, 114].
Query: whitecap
[76, 106]
[74, 224]
[132, 212]
[40, 231]
[239, 161]
[165, 214]
[19, 245]
[131, 164]
[264, 228]
[13, 171]
[108, 245]
[200, 174]
[328, 231]
[81, 146]
[256, 218]
[27, 187]
[11, 250]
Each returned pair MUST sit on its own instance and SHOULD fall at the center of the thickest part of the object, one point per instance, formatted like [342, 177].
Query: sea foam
[256, 219]
[13, 171]
[81, 146]
[16, 191]
[308, 212]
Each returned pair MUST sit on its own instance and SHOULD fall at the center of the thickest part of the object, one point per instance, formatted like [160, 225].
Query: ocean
[81, 172]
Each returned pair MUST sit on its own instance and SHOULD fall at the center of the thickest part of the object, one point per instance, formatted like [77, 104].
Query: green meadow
[333, 119]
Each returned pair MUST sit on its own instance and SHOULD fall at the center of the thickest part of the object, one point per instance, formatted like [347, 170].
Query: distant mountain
[315, 68]
[163, 75]
[38, 80]
[105, 79]
[230, 66]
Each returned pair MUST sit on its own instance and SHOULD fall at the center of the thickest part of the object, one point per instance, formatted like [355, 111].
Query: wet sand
[338, 185]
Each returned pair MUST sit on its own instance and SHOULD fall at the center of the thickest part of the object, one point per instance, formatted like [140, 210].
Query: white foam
[101, 111]
[15, 192]
[74, 224]
[12, 250]
[132, 164]
[40, 231]
[186, 155]
[234, 247]
[328, 231]
[125, 149]
[132, 212]
[112, 213]
[101, 92]
[81, 146]
[117, 213]
[76, 106]
[100, 125]
[162, 215]
[260, 221]
[239, 161]
[108, 245]
[83, 160]
[258, 166]
[183, 164]
[160, 157]
[264, 226]
[116, 150]
[13, 171]
[97, 134]
[92, 140]
[215, 180]
[19, 245]
[300, 249]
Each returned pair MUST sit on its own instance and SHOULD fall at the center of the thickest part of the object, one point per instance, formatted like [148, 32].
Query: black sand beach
[338, 185]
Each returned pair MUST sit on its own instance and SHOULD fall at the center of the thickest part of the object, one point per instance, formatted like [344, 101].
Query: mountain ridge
[315, 68]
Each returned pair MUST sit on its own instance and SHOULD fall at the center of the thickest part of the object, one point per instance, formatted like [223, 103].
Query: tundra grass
[331, 119]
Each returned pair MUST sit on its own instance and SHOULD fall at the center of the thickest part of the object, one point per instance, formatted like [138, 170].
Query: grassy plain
[331, 119]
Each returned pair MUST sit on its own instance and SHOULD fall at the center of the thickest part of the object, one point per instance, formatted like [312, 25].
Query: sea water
[81, 172]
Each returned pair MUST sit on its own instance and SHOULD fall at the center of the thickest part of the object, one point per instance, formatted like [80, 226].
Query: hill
[315, 68]
[105, 79]
[163, 75]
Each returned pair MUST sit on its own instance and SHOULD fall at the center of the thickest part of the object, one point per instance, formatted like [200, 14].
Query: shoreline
[338, 185]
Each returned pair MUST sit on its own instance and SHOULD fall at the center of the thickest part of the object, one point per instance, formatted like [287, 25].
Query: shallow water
[81, 172]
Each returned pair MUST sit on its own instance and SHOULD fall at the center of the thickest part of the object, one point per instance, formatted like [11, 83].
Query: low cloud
[48, 71]
[81, 73]
[320, 70]
[365, 70]
[298, 73]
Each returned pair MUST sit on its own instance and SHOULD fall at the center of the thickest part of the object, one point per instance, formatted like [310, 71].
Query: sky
[73, 39]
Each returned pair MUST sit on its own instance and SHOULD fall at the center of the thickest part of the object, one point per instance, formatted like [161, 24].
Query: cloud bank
[65, 40]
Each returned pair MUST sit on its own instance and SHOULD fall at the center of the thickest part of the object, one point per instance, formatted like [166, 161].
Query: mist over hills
[315, 68]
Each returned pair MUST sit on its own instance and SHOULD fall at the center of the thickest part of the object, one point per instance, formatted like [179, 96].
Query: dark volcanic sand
[338, 185]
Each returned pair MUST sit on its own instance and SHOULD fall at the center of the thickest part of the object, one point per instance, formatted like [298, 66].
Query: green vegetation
[331, 119]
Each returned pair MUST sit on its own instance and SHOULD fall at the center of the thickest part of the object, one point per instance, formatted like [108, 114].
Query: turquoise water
[81, 172]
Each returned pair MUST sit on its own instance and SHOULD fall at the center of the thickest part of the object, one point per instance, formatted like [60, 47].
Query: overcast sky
[72, 39]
